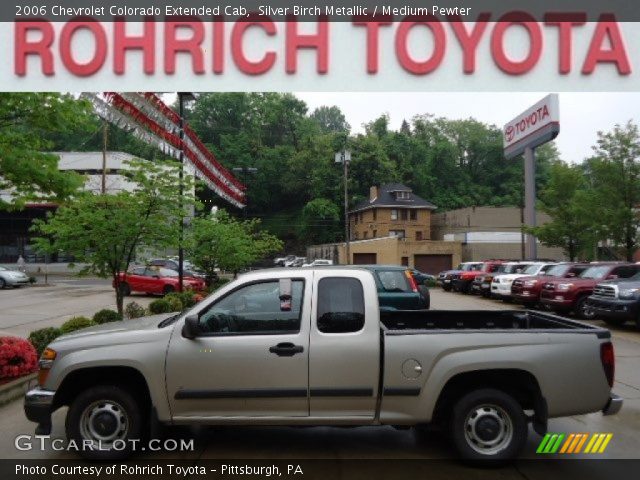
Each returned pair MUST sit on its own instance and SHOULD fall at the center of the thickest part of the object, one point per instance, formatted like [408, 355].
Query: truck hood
[578, 282]
[622, 283]
[508, 276]
[124, 331]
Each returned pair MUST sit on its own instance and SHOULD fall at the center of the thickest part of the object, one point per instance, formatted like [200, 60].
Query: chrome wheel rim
[104, 422]
[488, 429]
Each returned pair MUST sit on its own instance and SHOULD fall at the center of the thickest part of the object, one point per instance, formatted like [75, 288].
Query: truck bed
[421, 321]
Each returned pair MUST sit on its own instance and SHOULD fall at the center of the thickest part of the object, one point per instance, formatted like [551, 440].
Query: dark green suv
[398, 289]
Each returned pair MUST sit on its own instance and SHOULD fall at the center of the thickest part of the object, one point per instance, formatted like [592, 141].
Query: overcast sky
[582, 115]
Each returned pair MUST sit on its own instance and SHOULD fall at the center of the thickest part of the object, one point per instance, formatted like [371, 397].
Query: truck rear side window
[255, 309]
[340, 305]
[394, 280]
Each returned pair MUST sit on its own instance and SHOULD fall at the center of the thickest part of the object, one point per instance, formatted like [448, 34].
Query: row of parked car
[294, 261]
[606, 290]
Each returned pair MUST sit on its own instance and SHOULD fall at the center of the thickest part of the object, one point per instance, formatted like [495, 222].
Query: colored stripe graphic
[573, 443]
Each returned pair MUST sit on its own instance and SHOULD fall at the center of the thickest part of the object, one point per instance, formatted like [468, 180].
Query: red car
[526, 290]
[156, 280]
[564, 295]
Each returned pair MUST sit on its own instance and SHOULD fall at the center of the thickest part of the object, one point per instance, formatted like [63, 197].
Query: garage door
[364, 258]
[432, 263]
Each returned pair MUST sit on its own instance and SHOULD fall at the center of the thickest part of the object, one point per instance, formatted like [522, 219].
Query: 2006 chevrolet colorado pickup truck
[311, 347]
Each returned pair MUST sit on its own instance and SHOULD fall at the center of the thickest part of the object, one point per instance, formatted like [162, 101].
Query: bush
[76, 323]
[174, 301]
[186, 298]
[133, 310]
[17, 357]
[160, 306]
[105, 316]
[43, 337]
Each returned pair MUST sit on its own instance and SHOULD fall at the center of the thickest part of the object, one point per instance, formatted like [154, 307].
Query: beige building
[489, 232]
[393, 227]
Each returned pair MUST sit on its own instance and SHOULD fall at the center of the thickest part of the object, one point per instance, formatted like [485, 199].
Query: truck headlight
[564, 287]
[45, 363]
[628, 293]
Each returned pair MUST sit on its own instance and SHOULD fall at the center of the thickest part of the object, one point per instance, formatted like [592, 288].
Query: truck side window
[340, 305]
[255, 309]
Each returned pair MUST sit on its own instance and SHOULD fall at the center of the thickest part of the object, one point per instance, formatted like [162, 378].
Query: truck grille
[549, 287]
[604, 291]
[518, 283]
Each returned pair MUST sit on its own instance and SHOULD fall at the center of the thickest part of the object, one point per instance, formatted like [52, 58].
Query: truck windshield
[596, 272]
[558, 271]
[532, 270]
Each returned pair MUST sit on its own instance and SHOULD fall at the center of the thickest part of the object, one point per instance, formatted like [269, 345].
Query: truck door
[344, 357]
[251, 357]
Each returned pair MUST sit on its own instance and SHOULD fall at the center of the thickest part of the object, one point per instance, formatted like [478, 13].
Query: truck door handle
[286, 349]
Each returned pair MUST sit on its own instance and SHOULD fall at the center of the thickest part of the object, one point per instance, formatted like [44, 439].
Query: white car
[318, 262]
[12, 278]
[501, 284]
[292, 261]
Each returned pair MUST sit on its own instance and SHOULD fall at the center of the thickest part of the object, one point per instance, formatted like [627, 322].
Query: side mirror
[570, 275]
[191, 327]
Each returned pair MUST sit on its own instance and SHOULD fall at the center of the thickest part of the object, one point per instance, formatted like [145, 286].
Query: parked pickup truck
[566, 295]
[526, 290]
[311, 347]
[617, 301]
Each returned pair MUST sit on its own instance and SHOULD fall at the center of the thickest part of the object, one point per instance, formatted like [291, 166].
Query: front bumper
[614, 308]
[613, 405]
[501, 289]
[38, 405]
[16, 282]
[556, 301]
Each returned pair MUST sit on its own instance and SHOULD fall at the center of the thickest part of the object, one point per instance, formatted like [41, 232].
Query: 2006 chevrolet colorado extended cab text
[311, 347]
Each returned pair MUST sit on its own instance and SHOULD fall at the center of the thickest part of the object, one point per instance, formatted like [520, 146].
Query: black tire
[119, 409]
[498, 412]
[2, 283]
[168, 289]
[582, 311]
[446, 288]
[125, 289]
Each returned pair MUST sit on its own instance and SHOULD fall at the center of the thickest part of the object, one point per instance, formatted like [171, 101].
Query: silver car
[12, 278]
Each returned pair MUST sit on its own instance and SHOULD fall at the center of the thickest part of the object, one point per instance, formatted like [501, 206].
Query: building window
[375, 214]
[375, 234]
[413, 214]
[366, 234]
[394, 214]
[402, 195]
[396, 233]
[418, 236]
[404, 214]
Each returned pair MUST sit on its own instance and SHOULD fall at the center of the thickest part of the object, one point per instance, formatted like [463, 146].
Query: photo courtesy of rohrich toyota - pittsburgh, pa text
[319, 239]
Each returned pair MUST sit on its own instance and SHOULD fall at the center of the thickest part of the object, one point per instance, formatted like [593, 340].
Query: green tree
[574, 211]
[221, 241]
[321, 221]
[614, 173]
[330, 120]
[27, 121]
[105, 231]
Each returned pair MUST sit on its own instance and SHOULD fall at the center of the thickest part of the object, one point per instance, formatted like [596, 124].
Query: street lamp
[245, 173]
[182, 97]
[344, 157]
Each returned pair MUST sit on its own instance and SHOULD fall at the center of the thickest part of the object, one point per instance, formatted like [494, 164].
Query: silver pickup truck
[310, 347]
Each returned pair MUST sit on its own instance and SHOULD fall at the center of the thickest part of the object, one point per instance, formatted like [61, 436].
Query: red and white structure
[147, 117]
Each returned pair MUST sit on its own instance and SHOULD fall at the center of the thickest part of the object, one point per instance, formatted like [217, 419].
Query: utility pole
[530, 200]
[344, 157]
[105, 136]
[182, 96]
[245, 173]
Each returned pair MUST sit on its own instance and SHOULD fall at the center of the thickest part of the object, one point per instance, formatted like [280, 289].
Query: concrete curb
[16, 388]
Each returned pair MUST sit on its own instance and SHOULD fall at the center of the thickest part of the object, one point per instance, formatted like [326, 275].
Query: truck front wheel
[105, 422]
[488, 424]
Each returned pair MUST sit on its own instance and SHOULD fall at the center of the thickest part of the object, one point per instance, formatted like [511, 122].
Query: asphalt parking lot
[29, 308]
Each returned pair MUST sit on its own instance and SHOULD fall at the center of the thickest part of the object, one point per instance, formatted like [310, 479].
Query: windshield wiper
[169, 320]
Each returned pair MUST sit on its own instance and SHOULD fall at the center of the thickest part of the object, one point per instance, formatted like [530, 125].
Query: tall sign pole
[344, 157]
[535, 126]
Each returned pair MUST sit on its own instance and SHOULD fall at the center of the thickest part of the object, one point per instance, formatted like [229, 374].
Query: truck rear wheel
[488, 424]
[106, 419]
